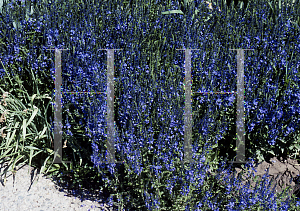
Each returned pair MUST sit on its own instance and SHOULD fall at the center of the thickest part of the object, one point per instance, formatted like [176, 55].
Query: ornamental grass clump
[149, 94]
[24, 131]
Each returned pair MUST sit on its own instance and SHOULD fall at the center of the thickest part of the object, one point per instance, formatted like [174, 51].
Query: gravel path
[31, 191]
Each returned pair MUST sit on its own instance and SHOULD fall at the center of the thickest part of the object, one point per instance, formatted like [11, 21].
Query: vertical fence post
[58, 111]
[188, 118]
[110, 107]
[240, 122]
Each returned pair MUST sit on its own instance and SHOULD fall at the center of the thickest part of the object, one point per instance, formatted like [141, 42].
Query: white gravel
[31, 191]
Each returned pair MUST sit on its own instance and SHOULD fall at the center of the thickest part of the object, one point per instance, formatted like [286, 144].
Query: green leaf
[33, 115]
[283, 141]
[279, 4]
[208, 18]
[32, 148]
[42, 133]
[270, 5]
[272, 152]
[32, 99]
[196, 12]
[172, 12]
[297, 146]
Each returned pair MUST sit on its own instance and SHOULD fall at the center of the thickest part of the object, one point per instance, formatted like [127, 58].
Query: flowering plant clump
[149, 74]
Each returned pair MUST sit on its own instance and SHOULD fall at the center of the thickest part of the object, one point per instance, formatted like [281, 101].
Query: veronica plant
[150, 76]
[130, 97]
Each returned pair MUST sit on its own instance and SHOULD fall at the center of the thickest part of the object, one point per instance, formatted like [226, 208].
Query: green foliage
[27, 133]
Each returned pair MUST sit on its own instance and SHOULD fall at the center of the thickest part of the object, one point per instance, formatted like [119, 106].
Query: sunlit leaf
[172, 12]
